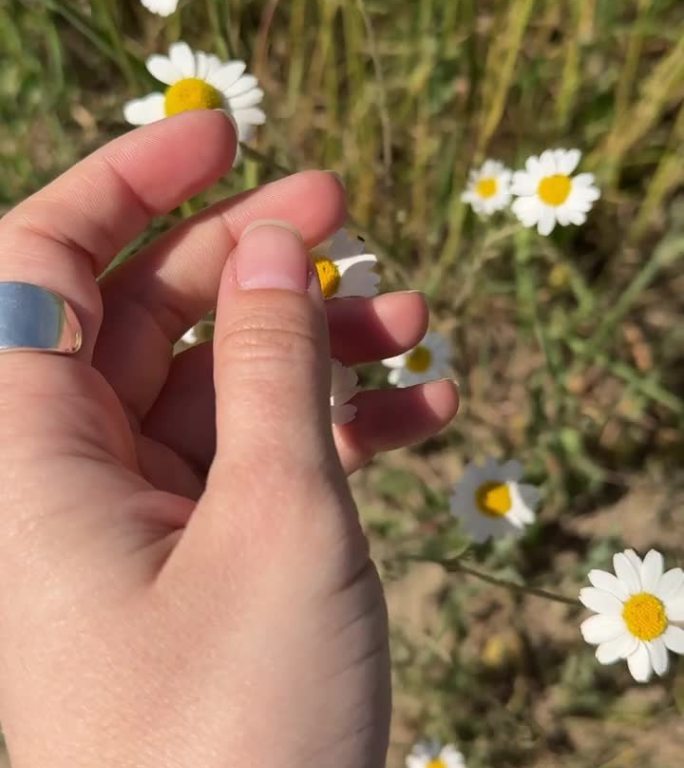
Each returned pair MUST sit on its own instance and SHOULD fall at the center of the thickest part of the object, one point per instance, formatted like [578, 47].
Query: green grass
[568, 348]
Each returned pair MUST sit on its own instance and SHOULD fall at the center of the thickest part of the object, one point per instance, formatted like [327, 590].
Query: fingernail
[271, 255]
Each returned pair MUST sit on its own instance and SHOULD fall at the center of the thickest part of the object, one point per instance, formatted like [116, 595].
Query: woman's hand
[184, 578]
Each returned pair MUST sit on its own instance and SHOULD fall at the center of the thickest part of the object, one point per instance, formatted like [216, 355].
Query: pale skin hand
[184, 578]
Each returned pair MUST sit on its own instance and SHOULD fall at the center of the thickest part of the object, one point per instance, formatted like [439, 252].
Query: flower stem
[454, 565]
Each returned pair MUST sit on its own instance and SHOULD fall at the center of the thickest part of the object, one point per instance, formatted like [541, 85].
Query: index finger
[65, 235]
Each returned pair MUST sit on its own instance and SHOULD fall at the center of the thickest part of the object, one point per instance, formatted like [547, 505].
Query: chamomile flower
[161, 7]
[634, 610]
[199, 81]
[491, 501]
[489, 188]
[345, 268]
[430, 360]
[343, 386]
[431, 754]
[547, 194]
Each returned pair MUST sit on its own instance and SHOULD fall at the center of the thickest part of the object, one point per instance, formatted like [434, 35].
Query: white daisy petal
[601, 602]
[670, 584]
[182, 58]
[249, 99]
[633, 558]
[394, 376]
[244, 84]
[584, 180]
[395, 362]
[533, 166]
[343, 414]
[658, 654]
[251, 115]
[343, 244]
[626, 572]
[163, 69]
[651, 570]
[343, 387]
[523, 184]
[577, 218]
[563, 217]
[673, 637]
[568, 161]
[202, 65]
[547, 221]
[639, 664]
[160, 7]
[619, 648]
[451, 757]
[358, 276]
[602, 629]
[547, 162]
[675, 608]
[143, 111]
[608, 583]
[416, 761]
[527, 210]
[228, 74]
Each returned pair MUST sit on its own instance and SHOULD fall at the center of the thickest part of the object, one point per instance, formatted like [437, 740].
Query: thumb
[271, 361]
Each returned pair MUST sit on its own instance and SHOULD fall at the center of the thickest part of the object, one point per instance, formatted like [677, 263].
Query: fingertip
[327, 188]
[363, 330]
[177, 157]
[407, 314]
[442, 398]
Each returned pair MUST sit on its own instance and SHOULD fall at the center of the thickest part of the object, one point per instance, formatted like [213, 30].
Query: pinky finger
[394, 418]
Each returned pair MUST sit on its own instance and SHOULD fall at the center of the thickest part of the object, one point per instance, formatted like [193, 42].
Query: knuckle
[291, 335]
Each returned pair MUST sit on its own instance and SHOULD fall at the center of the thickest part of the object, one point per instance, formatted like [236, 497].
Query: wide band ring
[35, 319]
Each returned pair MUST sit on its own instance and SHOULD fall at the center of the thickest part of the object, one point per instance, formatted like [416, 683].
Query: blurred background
[569, 350]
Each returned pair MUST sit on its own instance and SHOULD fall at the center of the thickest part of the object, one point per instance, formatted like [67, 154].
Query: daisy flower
[430, 360]
[430, 754]
[548, 195]
[489, 188]
[635, 609]
[161, 7]
[199, 81]
[491, 501]
[344, 267]
[343, 386]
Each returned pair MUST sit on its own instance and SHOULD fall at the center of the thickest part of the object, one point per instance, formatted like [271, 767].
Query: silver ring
[35, 319]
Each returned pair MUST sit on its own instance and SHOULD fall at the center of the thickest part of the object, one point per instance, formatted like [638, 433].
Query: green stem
[454, 565]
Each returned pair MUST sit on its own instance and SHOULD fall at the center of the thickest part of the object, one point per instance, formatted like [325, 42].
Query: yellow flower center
[419, 360]
[486, 187]
[328, 276]
[493, 499]
[645, 616]
[191, 93]
[554, 190]
[436, 763]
